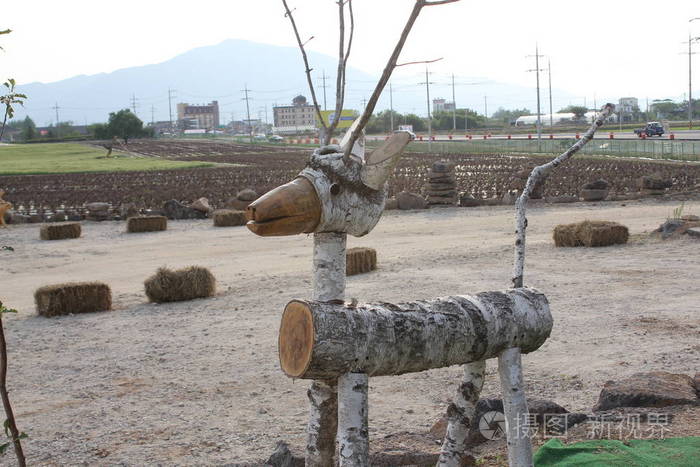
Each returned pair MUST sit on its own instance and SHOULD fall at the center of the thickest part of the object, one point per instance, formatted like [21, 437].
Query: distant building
[198, 116]
[627, 107]
[441, 105]
[298, 117]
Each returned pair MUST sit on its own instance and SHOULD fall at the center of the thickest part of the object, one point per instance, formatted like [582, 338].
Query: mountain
[273, 74]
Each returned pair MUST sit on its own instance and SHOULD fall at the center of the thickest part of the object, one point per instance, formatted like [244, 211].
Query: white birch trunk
[460, 415]
[515, 408]
[328, 285]
[353, 431]
[325, 340]
[537, 174]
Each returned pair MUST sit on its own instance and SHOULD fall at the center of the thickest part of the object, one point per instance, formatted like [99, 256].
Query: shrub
[590, 234]
[229, 218]
[146, 224]
[60, 231]
[360, 260]
[73, 297]
[189, 283]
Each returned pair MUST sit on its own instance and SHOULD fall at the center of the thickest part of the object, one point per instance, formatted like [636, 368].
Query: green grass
[32, 159]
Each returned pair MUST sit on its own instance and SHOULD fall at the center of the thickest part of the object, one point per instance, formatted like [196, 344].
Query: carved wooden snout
[290, 209]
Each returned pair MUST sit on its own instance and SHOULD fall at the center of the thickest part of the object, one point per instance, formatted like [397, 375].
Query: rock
[283, 457]
[202, 204]
[441, 189]
[670, 227]
[599, 184]
[247, 195]
[654, 182]
[441, 167]
[696, 381]
[468, 201]
[407, 200]
[654, 389]
[236, 204]
[442, 201]
[36, 218]
[18, 218]
[97, 211]
[127, 210]
[694, 232]
[391, 204]
[562, 199]
[690, 218]
[593, 194]
[174, 210]
[97, 207]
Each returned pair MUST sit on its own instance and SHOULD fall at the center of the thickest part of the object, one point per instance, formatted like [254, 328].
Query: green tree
[125, 125]
[28, 129]
[509, 116]
[419, 124]
[666, 108]
[578, 110]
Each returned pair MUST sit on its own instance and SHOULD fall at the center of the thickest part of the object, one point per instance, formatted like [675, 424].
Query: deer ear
[380, 163]
[358, 149]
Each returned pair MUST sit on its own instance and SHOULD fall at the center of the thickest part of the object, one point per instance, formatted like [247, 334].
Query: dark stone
[654, 182]
[599, 184]
[441, 167]
[694, 232]
[593, 194]
[408, 200]
[174, 210]
[391, 204]
[669, 227]
[247, 195]
[283, 457]
[236, 204]
[468, 201]
[654, 389]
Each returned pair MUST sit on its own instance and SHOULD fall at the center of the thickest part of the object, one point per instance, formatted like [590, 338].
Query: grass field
[32, 159]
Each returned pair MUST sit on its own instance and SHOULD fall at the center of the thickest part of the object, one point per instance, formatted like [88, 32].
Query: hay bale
[73, 297]
[229, 218]
[60, 231]
[360, 260]
[189, 283]
[146, 224]
[590, 234]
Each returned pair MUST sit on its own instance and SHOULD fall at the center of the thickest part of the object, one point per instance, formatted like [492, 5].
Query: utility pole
[537, 72]
[391, 108]
[690, 75]
[454, 106]
[324, 90]
[133, 103]
[551, 113]
[170, 107]
[55, 107]
[153, 119]
[486, 108]
[247, 108]
[427, 99]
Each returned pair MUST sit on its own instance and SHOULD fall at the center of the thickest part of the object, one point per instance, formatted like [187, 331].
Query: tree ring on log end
[296, 338]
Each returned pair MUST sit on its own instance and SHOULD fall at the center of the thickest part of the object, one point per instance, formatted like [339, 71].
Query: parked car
[651, 129]
[275, 139]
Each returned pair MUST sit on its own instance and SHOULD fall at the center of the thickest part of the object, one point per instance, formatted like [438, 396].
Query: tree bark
[460, 415]
[328, 285]
[515, 409]
[353, 431]
[11, 424]
[320, 340]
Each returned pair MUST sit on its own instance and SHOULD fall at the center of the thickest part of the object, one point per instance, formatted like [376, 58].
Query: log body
[321, 340]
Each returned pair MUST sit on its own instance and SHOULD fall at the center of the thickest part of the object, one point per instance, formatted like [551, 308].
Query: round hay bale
[360, 260]
[73, 297]
[60, 231]
[189, 283]
[229, 218]
[146, 224]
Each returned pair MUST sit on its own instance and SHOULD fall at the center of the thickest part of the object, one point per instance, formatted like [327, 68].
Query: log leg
[515, 408]
[328, 284]
[460, 414]
[353, 432]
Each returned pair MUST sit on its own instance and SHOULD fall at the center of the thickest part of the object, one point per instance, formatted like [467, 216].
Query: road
[683, 135]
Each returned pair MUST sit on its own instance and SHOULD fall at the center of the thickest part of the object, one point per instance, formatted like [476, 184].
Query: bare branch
[288, 13]
[535, 176]
[340, 75]
[417, 63]
[438, 2]
[386, 74]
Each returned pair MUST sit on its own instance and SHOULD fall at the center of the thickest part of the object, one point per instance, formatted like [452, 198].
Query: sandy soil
[198, 382]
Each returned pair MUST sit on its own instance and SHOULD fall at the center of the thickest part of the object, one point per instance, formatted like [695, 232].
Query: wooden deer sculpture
[339, 346]
[4, 207]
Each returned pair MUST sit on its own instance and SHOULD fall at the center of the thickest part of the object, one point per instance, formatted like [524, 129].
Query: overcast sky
[602, 49]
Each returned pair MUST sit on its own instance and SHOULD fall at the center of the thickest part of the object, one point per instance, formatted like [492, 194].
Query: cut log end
[296, 339]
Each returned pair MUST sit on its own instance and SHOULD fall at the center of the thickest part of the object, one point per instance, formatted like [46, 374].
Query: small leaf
[3, 448]
[12, 81]
[23, 435]
[6, 31]
[7, 424]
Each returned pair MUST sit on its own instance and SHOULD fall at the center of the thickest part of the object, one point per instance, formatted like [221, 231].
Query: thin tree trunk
[515, 408]
[353, 431]
[460, 416]
[328, 285]
[12, 425]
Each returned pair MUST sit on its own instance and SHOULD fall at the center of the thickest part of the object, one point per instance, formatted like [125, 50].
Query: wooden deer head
[332, 194]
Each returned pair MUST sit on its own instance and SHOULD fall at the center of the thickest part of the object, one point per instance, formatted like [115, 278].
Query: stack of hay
[73, 297]
[441, 189]
[591, 234]
[60, 231]
[146, 224]
[229, 218]
[189, 283]
[360, 260]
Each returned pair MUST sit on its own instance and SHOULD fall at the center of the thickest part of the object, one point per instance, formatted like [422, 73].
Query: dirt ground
[198, 382]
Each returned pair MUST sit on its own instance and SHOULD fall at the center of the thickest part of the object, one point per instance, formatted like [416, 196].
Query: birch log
[353, 432]
[515, 409]
[537, 174]
[328, 285]
[325, 340]
[460, 414]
